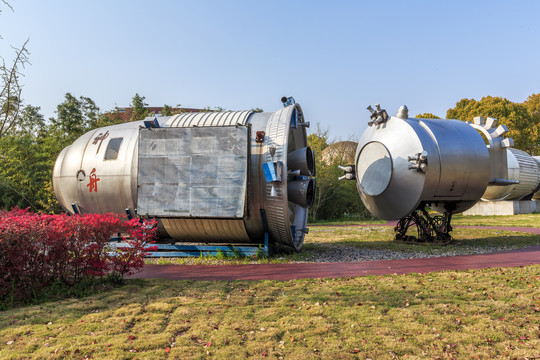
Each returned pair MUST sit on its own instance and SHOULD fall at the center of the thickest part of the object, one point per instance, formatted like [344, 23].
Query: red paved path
[520, 257]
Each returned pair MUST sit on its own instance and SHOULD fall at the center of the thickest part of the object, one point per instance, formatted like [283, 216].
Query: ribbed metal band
[206, 230]
[529, 173]
[222, 118]
[277, 208]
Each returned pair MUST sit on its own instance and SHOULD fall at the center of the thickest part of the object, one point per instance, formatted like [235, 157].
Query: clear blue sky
[334, 57]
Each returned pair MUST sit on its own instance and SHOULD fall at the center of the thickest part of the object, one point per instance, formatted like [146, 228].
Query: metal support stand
[429, 229]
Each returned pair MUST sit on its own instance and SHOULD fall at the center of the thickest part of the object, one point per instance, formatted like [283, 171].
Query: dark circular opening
[310, 161]
[310, 193]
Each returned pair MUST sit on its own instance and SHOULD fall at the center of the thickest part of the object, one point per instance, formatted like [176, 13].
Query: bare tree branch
[10, 93]
[8, 5]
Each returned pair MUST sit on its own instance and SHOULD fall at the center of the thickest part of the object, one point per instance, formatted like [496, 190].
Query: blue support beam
[174, 250]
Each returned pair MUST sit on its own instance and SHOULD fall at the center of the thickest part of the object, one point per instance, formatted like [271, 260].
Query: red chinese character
[93, 180]
[99, 139]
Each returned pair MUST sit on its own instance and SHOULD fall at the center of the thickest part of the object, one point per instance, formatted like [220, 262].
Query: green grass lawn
[527, 220]
[481, 314]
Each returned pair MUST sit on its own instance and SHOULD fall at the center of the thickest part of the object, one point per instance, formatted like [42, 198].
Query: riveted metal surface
[221, 118]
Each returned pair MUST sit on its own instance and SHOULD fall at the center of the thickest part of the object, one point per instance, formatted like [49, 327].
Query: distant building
[125, 113]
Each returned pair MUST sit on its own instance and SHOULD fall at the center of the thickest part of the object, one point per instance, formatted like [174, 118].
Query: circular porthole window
[81, 175]
[374, 168]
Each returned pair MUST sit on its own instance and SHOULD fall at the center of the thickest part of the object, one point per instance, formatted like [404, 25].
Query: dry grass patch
[485, 314]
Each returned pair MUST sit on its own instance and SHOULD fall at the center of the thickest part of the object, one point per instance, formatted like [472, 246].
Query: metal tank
[405, 167]
[212, 177]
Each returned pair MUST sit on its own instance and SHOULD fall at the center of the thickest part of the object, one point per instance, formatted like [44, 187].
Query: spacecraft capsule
[403, 162]
[213, 177]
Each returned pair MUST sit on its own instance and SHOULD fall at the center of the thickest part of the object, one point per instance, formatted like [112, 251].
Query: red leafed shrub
[38, 249]
[127, 260]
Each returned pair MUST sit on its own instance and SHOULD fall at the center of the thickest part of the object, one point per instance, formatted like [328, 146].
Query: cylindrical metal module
[403, 162]
[524, 170]
[209, 177]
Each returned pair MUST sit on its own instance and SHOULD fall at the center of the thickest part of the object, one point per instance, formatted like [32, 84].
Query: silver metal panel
[222, 118]
[463, 157]
[193, 172]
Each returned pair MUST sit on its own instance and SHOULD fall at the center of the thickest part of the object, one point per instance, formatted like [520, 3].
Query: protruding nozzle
[347, 169]
[301, 192]
[348, 172]
[302, 159]
[403, 112]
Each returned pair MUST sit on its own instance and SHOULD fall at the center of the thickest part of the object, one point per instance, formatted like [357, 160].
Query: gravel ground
[324, 252]
[343, 253]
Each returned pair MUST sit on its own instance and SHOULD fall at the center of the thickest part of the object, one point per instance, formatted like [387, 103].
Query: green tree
[166, 110]
[28, 155]
[75, 116]
[533, 107]
[29, 151]
[318, 141]
[139, 108]
[333, 198]
[516, 116]
[426, 116]
[26, 177]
